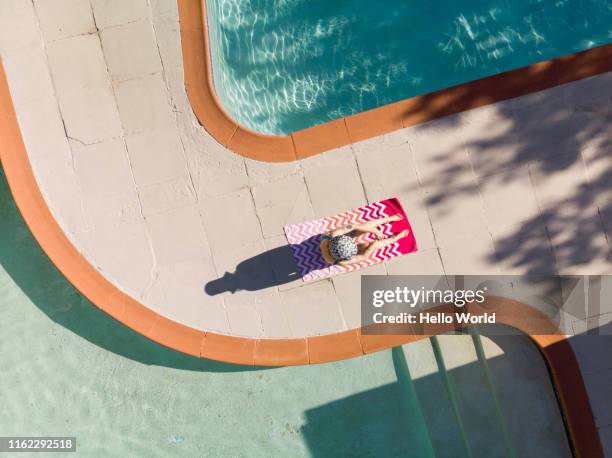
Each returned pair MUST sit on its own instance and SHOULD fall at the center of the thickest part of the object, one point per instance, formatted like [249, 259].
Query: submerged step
[526, 396]
[416, 432]
[475, 400]
[439, 410]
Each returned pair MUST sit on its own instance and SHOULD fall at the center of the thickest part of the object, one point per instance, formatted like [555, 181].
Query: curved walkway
[135, 202]
[149, 199]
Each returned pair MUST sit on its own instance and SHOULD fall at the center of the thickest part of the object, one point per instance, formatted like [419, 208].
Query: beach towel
[304, 239]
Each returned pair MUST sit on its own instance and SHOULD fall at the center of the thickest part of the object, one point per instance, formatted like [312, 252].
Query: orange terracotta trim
[372, 123]
[559, 355]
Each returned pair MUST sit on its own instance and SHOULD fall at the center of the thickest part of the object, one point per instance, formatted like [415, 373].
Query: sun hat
[342, 247]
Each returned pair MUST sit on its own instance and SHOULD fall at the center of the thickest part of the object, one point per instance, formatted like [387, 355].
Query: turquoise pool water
[67, 369]
[284, 65]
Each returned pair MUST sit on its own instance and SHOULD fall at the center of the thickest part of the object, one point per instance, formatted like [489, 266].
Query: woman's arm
[342, 230]
[357, 230]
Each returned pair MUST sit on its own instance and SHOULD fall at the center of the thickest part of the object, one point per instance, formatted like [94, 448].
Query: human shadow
[274, 267]
[33, 272]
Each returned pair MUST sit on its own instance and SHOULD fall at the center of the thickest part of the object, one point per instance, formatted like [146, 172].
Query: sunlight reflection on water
[284, 65]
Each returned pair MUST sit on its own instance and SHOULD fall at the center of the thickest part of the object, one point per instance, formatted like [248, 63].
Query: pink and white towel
[305, 238]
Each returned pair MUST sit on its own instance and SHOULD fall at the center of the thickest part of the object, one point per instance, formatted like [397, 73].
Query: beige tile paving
[213, 171]
[164, 7]
[178, 235]
[423, 262]
[333, 182]
[168, 35]
[143, 104]
[469, 254]
[111, 13]
[28, 72]
[231, 217]
[115, 249]
[20, 25]
[596, 161]
[348, 289]
[263, 172]
[282, 202]
[313, 309]
[156, 156]
[64, 18]
[388, 171]
[520, 186]
[464, 218]
[43, 135]
[77, 63]
[45, 139]
[103, 168]
[167, 195]
[122, 62]
[561, 181]
[508, 199]
[114, 208]
[90, 115]
[524, 248]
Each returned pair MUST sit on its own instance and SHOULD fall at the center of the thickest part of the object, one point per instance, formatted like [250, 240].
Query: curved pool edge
[367, 124]
[84, 277]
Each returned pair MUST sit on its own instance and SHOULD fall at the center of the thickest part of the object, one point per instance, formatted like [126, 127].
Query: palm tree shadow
[31, 270]
[559, 139]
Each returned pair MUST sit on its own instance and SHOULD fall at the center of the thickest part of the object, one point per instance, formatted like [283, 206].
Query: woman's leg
[368, 226]
[377, 245]
[373, 224]
[367, 250]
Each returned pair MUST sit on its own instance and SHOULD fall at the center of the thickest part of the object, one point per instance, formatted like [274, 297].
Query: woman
[339, 246]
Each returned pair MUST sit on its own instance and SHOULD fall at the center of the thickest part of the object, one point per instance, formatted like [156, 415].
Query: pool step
[417, 430]
[523, 386]
[431, 388]
[483, 396]
[474, 395]
[457, 396]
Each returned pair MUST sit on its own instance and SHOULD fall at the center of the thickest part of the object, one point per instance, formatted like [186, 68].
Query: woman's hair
[342, 247]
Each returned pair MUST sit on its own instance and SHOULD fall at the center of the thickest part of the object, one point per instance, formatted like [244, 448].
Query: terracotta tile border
[340, 132]
[565, 372]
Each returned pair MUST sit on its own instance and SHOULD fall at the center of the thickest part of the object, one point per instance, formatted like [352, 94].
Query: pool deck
[160, 209]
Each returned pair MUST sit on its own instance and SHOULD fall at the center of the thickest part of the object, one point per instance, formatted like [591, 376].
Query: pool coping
[367, 124]
[565, 372]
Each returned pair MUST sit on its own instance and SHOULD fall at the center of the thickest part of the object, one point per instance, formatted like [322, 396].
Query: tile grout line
[422, 195]
[154, 271]
[176, 116]
[43, 45]
[481, 200]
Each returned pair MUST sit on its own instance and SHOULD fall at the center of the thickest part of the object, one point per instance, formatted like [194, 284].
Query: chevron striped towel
[304, 239]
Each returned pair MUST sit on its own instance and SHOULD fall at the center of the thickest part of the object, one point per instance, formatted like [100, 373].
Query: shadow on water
[370, 423]
[441, 410]
[24, 261]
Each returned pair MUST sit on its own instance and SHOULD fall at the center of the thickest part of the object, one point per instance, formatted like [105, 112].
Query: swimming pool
[284, 65]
